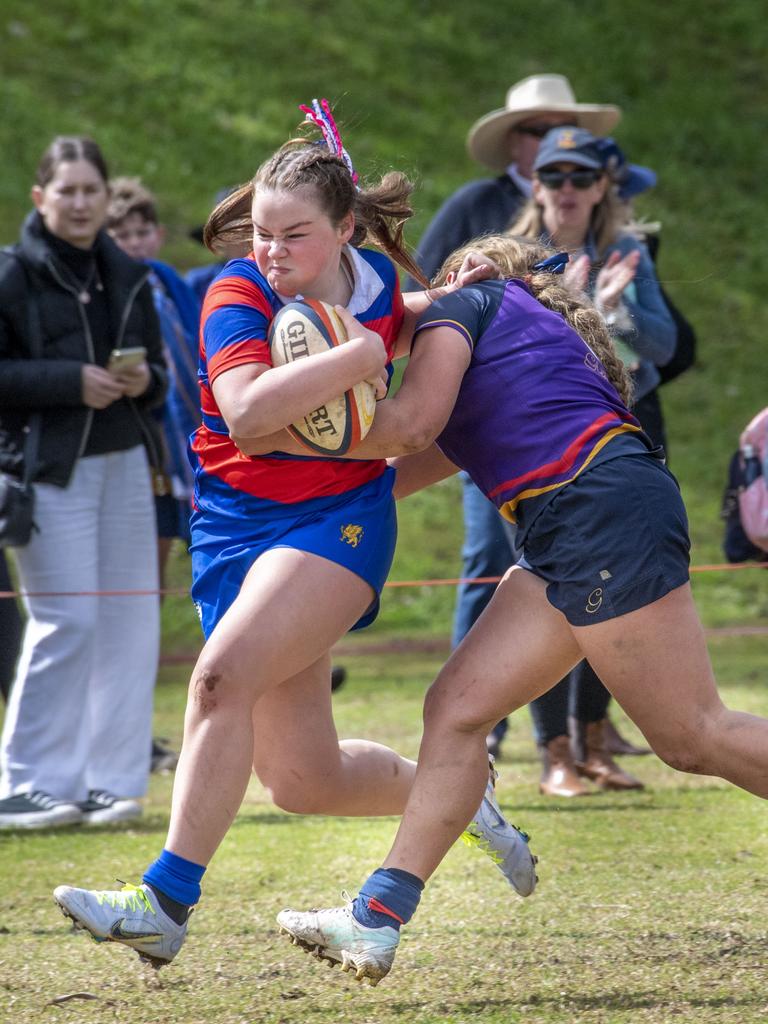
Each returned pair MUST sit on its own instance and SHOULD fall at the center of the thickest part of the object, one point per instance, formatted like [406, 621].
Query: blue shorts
[357, 530]
[613, 541]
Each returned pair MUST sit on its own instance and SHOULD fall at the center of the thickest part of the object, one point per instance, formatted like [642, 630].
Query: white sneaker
[38, 810]
[103, 808]
[506, 845]
[130, 915]
[335, 936]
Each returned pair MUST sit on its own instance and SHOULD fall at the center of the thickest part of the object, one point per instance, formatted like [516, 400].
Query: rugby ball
[303, 329]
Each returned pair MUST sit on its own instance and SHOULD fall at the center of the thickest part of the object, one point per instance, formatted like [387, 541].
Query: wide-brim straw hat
[537, 94]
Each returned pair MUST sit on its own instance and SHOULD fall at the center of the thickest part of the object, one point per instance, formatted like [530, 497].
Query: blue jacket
[199, 279]
[489, 205]
[651, 333]
[179, 317]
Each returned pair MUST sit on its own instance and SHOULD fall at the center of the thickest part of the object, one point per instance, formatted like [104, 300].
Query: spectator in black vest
[77, 731]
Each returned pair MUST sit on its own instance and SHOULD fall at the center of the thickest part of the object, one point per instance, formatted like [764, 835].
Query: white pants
[80, 711]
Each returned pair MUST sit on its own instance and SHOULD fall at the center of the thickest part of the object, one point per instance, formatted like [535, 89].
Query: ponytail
[230, 222]
[382, 212]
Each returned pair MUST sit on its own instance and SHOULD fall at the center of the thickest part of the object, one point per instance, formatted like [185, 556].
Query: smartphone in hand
[126, 358]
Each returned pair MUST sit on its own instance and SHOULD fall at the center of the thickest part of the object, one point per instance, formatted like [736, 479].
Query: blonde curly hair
[516, 257]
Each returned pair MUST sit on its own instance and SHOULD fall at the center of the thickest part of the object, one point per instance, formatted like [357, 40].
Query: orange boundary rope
[183, 592]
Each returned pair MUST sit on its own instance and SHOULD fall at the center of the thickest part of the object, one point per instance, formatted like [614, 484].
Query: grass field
[651, 906]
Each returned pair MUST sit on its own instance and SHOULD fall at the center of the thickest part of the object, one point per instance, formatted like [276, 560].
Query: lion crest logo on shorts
[594, 601]
[352, 534]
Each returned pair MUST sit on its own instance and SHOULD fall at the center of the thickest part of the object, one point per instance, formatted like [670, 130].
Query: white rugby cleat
[506, 845]
[130, 915]
[338, 938]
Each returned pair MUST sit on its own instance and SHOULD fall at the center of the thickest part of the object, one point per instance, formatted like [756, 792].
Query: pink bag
[753, 497]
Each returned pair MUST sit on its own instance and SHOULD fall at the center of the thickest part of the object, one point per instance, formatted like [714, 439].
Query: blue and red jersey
[238, 309]
[535, 407]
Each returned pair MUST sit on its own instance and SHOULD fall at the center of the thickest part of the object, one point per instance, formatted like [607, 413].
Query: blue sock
[176, 877]
[388, 897]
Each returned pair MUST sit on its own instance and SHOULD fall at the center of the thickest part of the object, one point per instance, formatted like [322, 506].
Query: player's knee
[435, 704]
[444, 708]
[685, 750]
[295, 795]
[214, 683]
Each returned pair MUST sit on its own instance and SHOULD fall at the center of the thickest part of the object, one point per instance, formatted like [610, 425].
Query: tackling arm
[475, 267]
[256, 400]
[409, 422]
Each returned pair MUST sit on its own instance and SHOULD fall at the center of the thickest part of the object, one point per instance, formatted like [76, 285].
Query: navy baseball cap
[569, 145]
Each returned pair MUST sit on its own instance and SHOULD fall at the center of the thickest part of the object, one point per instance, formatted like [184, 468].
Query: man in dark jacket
[506, 141]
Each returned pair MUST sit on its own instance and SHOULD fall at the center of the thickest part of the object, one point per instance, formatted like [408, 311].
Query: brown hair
[128, 196]
[516, 257]
[380, 211]
[65, 149]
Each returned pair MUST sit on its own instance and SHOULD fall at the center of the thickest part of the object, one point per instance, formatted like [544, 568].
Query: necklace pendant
[84, 296]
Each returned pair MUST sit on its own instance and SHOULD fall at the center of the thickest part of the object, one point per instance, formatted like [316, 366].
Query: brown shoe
[559, 776]
[615, 743]
[593, 761]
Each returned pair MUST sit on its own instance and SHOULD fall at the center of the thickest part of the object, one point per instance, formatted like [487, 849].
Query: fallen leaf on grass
[72, 995]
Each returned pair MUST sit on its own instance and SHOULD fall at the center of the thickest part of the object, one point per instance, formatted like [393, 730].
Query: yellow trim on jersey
[509, 507]
[447, 322]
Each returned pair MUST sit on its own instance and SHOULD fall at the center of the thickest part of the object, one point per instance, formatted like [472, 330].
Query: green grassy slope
[192, 95]
[651, 908]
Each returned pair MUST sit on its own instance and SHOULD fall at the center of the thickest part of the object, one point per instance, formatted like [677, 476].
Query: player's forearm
[394, 431]
[392, 434]
[416, 302]
[397, 429]
[279, 441]
[388, 436]
[285, 394]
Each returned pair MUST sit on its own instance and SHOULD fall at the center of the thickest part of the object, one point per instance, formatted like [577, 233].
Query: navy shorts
[172, 516]
[613, 541]
[357, 530]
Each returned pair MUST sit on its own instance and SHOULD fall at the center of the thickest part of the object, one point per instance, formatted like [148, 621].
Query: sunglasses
[538, 131]
[579, 179]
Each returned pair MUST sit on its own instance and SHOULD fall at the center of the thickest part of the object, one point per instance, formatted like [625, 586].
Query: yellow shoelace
[130, 897]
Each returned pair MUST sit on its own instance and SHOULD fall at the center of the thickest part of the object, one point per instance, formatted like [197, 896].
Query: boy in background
[133, 223]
